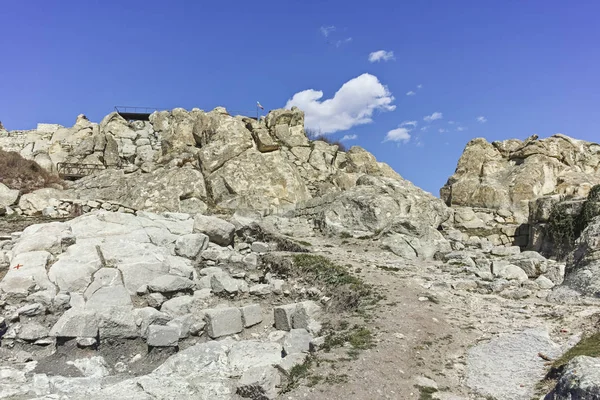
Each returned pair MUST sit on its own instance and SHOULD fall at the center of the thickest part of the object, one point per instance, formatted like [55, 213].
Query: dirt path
[423, 327]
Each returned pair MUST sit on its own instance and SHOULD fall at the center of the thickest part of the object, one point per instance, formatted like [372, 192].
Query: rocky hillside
[507, 191]
[506, 175]
[198, 162]
[220, 257]
[187, 161]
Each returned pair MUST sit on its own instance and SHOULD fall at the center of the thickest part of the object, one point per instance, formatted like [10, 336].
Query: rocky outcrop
[508, 174]
[163, 189]
[194, 161]
[580, 379]
[404, 216]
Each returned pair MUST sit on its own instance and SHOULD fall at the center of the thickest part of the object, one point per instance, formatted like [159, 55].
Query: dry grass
[314, 135]
[24, 175]
[588, 346]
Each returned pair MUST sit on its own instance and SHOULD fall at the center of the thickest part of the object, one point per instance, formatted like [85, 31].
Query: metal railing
[135, 110]
[76, 170]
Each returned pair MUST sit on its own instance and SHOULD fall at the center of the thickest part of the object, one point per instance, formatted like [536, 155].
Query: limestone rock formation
[196, 161]
[163, 189]
[405, 216]
[508, 174]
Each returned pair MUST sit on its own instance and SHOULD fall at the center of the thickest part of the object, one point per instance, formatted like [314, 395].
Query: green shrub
[347, 292]
[565, 227]
[561, 228]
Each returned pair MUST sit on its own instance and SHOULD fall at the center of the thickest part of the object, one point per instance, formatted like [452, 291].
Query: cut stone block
[223, 321]
[163, 336]
[252, 315]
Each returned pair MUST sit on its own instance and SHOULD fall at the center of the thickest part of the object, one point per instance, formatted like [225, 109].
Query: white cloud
[411, 93]
[419, 86]
[442, 130]
[353, 104]
[433, 117]
[326, 30]
[402, 133]
[461, 128]
[381, 55]
[482, 119]
[398, 135]
[408, 123]
[343, 41]
[349, 137]
[451, 122]
[423, 129]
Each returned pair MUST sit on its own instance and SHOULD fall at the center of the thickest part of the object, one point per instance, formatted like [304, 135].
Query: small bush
[297, 374]
[359, 337]
[564, 227]
[24, 175]
[561, 227]
[347, 292]
[314, 135]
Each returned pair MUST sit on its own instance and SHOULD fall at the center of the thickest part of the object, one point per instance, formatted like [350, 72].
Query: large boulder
[374, 205]
[412, 239]
[508, 366]
[579, 379]
[506, 175]
[218, 230]
[287, 126]
[228, 138]
[27, 273]
[33, 203]
[8, 196]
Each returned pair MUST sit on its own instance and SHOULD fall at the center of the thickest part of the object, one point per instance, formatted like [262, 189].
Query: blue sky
[525, 66]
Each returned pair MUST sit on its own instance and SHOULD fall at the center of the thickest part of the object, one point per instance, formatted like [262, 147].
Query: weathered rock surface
[8, 196]
[163, 336]
[507, 174]
[508, 367]
[163, 189]
[223, 321]
[218, 231]
[33, 203]
[259, 383]
[187, 160]
[580, 379]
